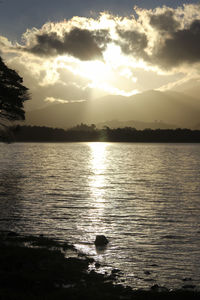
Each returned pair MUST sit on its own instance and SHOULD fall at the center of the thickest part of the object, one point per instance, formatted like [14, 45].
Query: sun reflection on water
[98, 150]
[98, 164]
[98, 169]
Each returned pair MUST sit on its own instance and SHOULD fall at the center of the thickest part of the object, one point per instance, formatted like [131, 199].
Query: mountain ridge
[170, 107]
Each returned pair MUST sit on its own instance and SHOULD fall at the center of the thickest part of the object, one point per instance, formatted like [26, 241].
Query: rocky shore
[41, 268]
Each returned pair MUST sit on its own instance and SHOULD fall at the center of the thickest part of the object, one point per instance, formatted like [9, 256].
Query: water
[144, 197]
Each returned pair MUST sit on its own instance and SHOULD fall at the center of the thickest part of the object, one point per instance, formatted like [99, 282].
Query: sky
[78, 50]
[18, 15]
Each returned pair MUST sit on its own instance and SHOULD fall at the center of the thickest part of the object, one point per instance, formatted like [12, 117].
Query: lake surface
[144, 197]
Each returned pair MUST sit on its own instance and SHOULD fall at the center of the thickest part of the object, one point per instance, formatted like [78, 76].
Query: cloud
[59, 60]
[57, 100]
[183, 46]
[5, 44]
[80, 43]
[52, 100]
[163, 37]
[165, 21]
[39, 76]
[132, 42]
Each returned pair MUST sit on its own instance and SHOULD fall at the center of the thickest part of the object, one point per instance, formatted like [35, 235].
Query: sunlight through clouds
[108, 54]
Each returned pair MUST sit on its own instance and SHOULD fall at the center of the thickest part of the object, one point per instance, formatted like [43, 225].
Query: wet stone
[97, 265]
[101, 241]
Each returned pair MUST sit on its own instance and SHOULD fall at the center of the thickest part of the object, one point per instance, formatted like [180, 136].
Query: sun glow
[95, 70]
[113, 55]
[104, 75]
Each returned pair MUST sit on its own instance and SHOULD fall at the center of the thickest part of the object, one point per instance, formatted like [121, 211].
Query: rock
[97, 265]
[101, 241]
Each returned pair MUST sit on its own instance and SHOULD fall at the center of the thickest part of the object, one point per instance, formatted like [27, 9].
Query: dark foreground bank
[37, 268]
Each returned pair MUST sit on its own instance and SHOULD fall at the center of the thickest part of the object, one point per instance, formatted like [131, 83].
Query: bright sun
[95, 70]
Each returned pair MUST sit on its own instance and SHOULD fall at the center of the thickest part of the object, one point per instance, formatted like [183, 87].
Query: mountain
[113, 124]
[169, 107]
[62, 115]
[190, 88]
[197, 126]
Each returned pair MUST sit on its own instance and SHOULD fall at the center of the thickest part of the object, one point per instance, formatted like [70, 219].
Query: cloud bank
[164, 37]
[80, 43]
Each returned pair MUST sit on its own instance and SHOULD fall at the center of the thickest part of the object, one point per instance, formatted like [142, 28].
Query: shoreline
[37, 267]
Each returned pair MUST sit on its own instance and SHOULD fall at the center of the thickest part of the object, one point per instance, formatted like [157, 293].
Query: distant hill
[151, 107]
[139, 125]
[197, 127]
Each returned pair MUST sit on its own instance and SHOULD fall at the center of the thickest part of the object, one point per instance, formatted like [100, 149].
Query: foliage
[84, 127]
[88, 133]
[12, 94]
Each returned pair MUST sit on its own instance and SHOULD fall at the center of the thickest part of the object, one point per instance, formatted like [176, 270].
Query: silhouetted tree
[12, 94]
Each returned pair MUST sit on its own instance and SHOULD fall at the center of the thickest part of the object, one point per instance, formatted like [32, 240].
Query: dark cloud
[164, 22]
[183, 46]
[102, 37]
[133, 42]
[80, 43]
[175, 47]
[47, 45]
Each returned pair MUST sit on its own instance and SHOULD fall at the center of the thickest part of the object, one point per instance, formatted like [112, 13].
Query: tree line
[89, 133]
